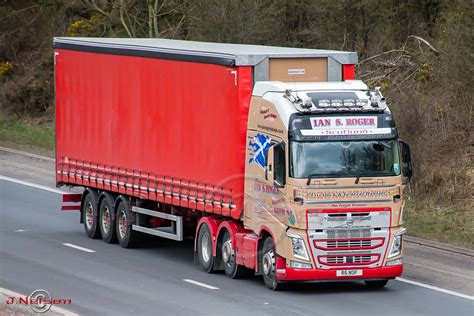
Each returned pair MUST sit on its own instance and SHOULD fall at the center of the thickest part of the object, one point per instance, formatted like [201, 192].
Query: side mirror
[407, 168]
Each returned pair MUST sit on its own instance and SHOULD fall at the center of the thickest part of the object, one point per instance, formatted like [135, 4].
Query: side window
[279, 164]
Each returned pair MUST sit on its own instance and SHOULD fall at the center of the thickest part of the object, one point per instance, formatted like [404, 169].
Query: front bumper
[292, 274]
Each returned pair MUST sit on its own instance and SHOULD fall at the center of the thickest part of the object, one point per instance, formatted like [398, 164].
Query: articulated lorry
[275, 160]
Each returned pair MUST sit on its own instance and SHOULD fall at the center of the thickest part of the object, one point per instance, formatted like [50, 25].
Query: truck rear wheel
[204, 248]
[231, 268]
[127, 237]
[107, 219]
[268, 265]
[378, 284]
[89, 215]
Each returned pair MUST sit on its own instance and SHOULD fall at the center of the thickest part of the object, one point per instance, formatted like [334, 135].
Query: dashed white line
[21, 230]
[207, 286]
[435, 288]
[78, 247]
[33, 185]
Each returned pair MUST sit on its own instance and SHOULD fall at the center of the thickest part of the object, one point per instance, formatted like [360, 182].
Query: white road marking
[435, 288]
[54, 308]
[207, 286]
[30, 184]
[78, 247]
[21, 230]
[439, 270]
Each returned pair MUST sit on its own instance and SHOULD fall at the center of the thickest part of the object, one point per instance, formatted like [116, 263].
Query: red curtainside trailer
[145, 126]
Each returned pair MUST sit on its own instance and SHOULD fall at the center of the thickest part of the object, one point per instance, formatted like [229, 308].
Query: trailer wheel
[107, 219]
[89, 215]
[127, 237]
[204, 248]
[231, 268]
[378, 284]
[268, 265]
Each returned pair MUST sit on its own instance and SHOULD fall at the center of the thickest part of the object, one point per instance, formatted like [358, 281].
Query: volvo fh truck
[275, 160]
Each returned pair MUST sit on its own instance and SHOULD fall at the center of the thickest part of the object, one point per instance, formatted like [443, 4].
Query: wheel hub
[227, 251]
[268, 262]
[89, 215]
[106, 220]
[206, 247]
[122, 225]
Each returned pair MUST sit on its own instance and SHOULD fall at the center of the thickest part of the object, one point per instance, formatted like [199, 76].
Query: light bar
[338, 105]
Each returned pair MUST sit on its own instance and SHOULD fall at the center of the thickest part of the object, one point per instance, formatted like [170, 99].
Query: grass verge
[22, 134]
[449, 224]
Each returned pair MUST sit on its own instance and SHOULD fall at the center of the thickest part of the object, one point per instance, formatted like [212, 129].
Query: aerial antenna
[296, 89]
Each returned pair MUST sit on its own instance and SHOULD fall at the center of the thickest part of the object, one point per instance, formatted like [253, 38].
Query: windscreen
[344, 159]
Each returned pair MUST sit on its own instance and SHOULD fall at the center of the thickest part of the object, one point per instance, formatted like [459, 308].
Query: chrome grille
[349, 243]
[347, 259]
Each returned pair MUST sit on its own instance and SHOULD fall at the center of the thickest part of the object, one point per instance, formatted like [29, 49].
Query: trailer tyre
[127, 237]
[107, 219]
[204, 248]
[227, 255]
[268, 265]
[376, 284]
[89, 215]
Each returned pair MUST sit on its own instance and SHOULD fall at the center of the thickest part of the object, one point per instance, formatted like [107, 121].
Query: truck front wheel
[204, 248]
[89, 215]
[268, 265]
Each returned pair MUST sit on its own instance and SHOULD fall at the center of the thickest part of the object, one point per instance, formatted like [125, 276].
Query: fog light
[300, 265]
[395, 262]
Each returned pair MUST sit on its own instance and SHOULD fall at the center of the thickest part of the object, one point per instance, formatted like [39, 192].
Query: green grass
[25, 134]
[444, 224]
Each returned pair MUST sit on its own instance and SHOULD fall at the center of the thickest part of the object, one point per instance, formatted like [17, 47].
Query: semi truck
[276, 161]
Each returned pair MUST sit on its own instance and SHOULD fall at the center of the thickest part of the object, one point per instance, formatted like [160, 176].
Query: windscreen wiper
[311, 176]
[358, 177]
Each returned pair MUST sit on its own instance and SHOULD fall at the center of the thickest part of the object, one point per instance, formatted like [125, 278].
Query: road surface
[147, 281]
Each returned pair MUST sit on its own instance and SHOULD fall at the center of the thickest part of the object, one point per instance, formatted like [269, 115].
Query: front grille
[349, 259]
[349, 243]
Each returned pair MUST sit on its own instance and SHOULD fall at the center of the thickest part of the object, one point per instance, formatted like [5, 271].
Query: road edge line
[435, 288]
[31, 184]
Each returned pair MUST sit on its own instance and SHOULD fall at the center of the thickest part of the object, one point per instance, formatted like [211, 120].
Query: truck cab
[324, 177]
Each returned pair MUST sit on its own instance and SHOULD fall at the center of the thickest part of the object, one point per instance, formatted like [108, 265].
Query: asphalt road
[146, 281]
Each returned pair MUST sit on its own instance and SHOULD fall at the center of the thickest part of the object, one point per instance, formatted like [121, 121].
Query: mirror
[407, 169]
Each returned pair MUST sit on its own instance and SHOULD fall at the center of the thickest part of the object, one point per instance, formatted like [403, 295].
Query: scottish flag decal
[260, 144]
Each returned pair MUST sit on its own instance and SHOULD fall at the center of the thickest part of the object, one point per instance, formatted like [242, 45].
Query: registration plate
[347, 273]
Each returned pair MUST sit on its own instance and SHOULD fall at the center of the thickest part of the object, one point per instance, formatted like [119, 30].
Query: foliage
[6, 67]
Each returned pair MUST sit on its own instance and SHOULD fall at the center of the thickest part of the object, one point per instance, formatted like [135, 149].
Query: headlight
[396, 248]
[299, 248]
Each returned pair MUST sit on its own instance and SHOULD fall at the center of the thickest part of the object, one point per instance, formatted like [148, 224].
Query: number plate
[346, 273]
